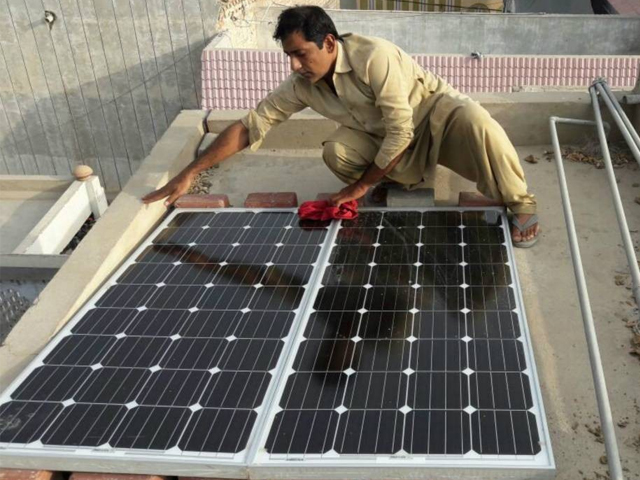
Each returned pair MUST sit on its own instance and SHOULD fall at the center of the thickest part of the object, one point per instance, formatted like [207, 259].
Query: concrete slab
[548, 284]
[555, 322]
[304, 172]
[545, 272]
[305, 129]
[422, 198]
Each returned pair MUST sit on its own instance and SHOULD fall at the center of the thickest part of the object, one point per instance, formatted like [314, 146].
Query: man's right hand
[177, 186]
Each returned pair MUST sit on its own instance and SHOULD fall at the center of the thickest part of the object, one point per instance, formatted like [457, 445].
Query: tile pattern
[238, 79]
[626, 7]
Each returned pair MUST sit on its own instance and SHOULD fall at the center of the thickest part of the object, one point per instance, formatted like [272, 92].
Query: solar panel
[243, 342]
[177, 353]
[413, 353]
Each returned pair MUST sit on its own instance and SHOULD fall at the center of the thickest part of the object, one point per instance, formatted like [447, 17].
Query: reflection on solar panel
[247, 342]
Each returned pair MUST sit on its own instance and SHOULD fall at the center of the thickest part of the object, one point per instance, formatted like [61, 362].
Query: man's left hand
[352, 192]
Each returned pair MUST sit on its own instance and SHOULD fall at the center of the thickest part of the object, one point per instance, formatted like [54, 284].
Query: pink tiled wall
[238, 79]
[626, 7]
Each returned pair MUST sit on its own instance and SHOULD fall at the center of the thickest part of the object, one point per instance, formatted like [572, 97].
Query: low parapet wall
[240, 78]
[524, 116]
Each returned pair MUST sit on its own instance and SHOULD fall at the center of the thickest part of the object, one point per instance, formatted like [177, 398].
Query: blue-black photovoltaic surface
[414, 345]
[180, 350]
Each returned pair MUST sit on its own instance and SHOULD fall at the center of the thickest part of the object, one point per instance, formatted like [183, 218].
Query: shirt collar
[342, 62]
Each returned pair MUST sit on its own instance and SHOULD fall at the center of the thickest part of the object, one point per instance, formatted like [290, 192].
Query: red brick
[271, 200]
[475, 199]
[15, 474]
[113, 476]
[202, 201]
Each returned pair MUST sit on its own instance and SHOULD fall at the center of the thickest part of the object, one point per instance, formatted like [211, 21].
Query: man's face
[307, 59]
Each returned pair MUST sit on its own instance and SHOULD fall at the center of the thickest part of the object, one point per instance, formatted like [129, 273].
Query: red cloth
[324, 210]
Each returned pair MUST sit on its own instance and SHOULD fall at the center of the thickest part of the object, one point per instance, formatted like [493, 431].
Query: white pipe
[617, 201]
[627, 130]
[616, 104]
[604, 407]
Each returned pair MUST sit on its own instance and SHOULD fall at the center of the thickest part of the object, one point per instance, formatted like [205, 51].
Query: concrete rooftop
[546, 276]
[545, 273]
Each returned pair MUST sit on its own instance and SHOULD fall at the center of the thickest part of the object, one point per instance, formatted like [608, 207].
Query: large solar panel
[242, 342]
[414, 353]
[177, 353]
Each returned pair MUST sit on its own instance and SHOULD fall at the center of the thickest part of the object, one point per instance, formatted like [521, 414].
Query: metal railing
[619, 116]
[602, 397]
[601, 87]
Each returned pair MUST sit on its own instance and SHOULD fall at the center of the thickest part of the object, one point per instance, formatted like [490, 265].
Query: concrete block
[207, 140]
[202, 201]
[421, 198]
[475, 199]
[271, 200]
[113, 476]
[525, 115]
[15, 474]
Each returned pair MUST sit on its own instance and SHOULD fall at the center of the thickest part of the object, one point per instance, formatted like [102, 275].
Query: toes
[531, 233]
[516, 236]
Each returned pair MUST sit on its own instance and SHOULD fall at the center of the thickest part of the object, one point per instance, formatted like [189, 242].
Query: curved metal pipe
[602, 397]
[621, 119]
[616, 104]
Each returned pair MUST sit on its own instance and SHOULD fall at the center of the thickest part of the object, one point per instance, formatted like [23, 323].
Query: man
[397, 121]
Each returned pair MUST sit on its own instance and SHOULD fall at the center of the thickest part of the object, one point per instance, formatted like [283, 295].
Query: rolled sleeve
[274, 109]
[390, 88]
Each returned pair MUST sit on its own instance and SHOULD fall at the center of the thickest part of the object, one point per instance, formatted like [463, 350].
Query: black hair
[310, 20]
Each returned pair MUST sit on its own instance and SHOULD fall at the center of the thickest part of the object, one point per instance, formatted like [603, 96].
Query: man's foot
[524, 230]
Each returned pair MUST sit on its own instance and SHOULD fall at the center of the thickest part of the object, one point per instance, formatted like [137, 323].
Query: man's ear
[330, 43]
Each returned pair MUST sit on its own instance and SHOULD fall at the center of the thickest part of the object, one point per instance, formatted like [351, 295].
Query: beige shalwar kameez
[387, 103]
